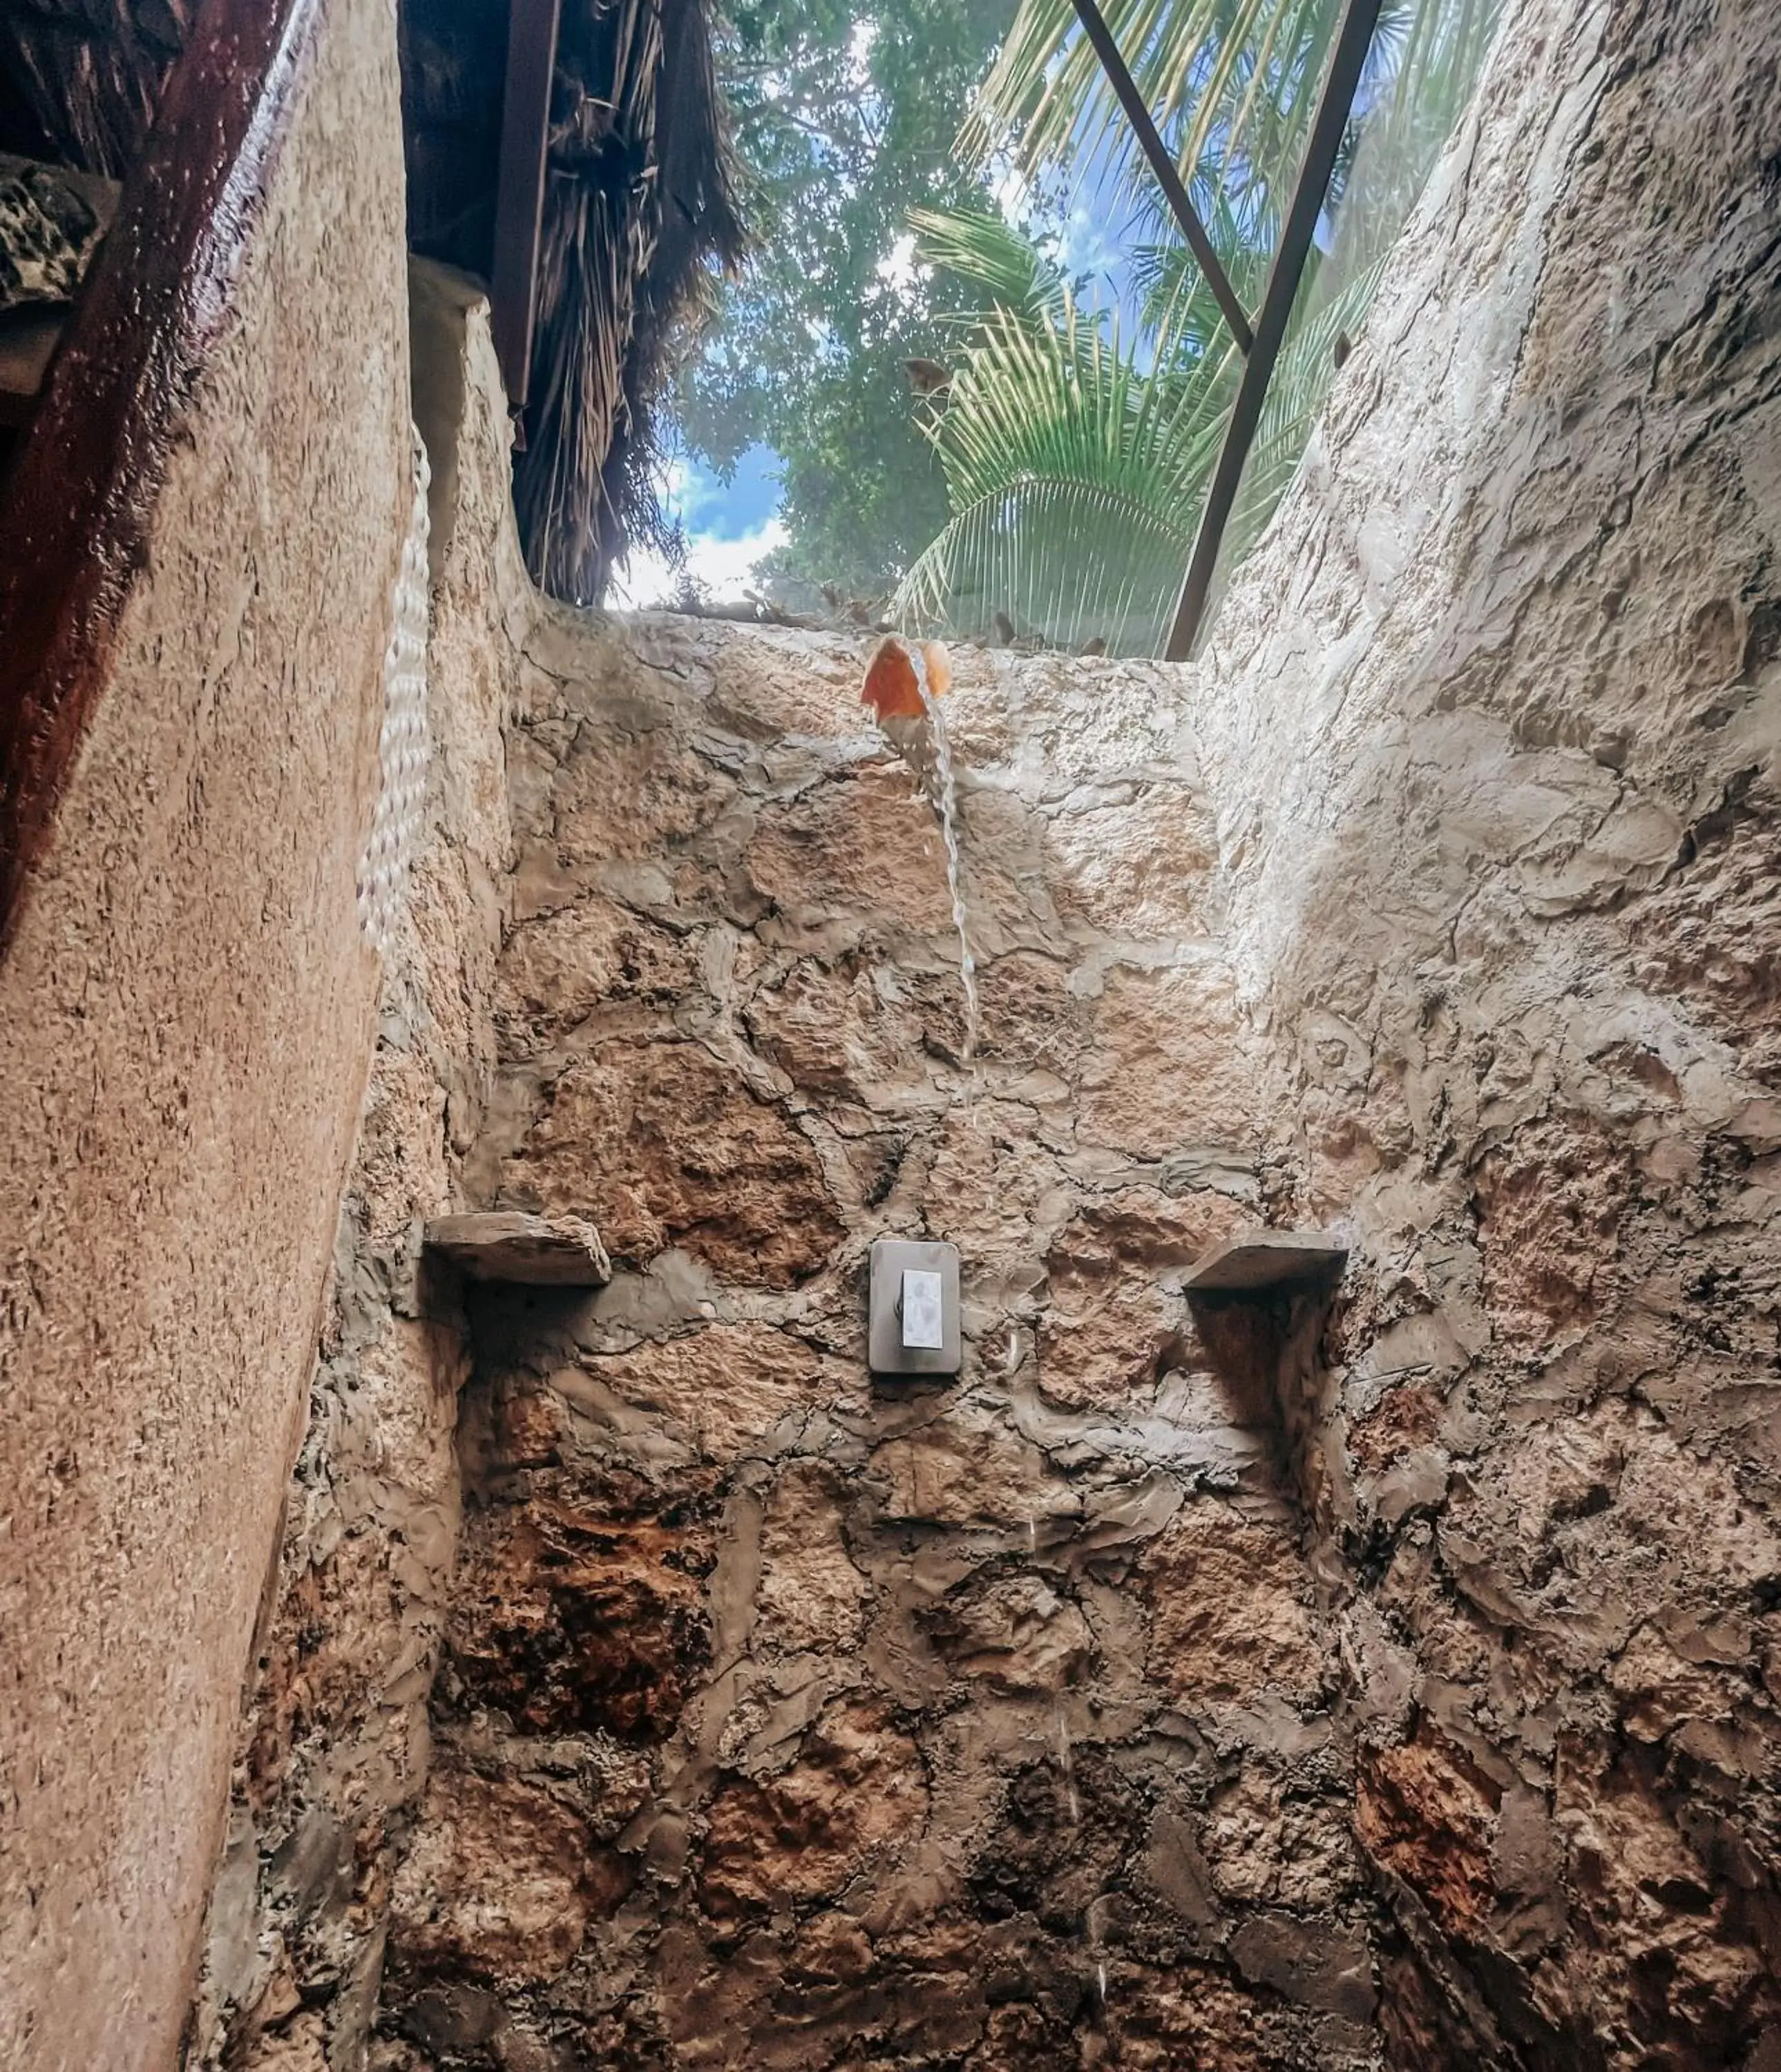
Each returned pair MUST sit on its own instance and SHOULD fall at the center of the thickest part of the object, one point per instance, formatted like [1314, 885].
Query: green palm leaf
[1075, 466]
[1231, 83]
[988, 252]
[1068, 561]
[1227, 81]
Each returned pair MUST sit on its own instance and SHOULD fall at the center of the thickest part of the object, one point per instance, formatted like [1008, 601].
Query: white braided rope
[402, 746]
[917, 653]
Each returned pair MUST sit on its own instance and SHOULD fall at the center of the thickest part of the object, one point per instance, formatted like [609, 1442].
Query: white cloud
[1085, 246]
[859, 51]
[897, 268]
[1013, 194]
[721, 566]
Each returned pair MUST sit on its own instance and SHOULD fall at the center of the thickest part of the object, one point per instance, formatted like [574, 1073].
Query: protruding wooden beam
[519, 201]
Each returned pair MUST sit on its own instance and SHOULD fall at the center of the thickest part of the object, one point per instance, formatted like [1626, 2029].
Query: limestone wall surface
[185, 1013]
[789, 1719]
[333, 1742]
[1491, 722]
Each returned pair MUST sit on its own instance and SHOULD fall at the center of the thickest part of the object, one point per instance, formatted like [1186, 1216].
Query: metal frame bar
[532, 26]
[1094, 27]
[1346, 62]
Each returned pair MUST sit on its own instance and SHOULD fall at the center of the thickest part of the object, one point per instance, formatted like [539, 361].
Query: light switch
[921, 1308]
[912, 1318]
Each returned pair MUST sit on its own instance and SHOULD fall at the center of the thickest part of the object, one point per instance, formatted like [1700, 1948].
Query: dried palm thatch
[79, 79]
[639, 207]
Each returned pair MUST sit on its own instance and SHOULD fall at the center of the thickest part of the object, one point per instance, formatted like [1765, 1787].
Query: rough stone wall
[335, 1742]
[185, 1016]
[1491, 723]
[790, 1719]
[1404, 1698]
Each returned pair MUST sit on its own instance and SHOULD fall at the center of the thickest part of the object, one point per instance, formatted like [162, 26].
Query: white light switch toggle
[920, 1310]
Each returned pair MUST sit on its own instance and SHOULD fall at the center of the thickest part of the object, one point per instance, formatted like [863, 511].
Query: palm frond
[1177, 302]
[985, 249]
[1067, 397]
[1068, 562]
[1232, 84]
[1234, 79]
[1075, 466]
[639, 207]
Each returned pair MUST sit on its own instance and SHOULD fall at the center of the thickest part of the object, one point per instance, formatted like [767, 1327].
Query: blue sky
[728, 526]
[731, 510]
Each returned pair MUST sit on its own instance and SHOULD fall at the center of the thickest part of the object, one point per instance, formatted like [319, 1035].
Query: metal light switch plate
[912, 1322]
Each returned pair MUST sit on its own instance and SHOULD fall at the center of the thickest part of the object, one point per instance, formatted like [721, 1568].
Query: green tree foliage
[1076, 458]
[1075, 462]
[846, 112]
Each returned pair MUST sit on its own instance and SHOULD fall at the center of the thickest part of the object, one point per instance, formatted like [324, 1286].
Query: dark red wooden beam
[75, 508]
[532, 28]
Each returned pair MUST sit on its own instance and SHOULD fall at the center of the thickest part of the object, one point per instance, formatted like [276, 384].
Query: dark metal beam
[1095, 27]
[1346, 62]
[519, 201]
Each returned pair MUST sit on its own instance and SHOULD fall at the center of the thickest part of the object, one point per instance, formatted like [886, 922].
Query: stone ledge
[508, 1245]
[1263, 1259]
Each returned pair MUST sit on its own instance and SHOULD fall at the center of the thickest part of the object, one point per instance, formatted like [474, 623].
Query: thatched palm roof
[79, 83]
[639, 205]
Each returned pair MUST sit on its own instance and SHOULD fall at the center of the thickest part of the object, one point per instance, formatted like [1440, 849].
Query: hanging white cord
[402, 746]
[949, 833]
